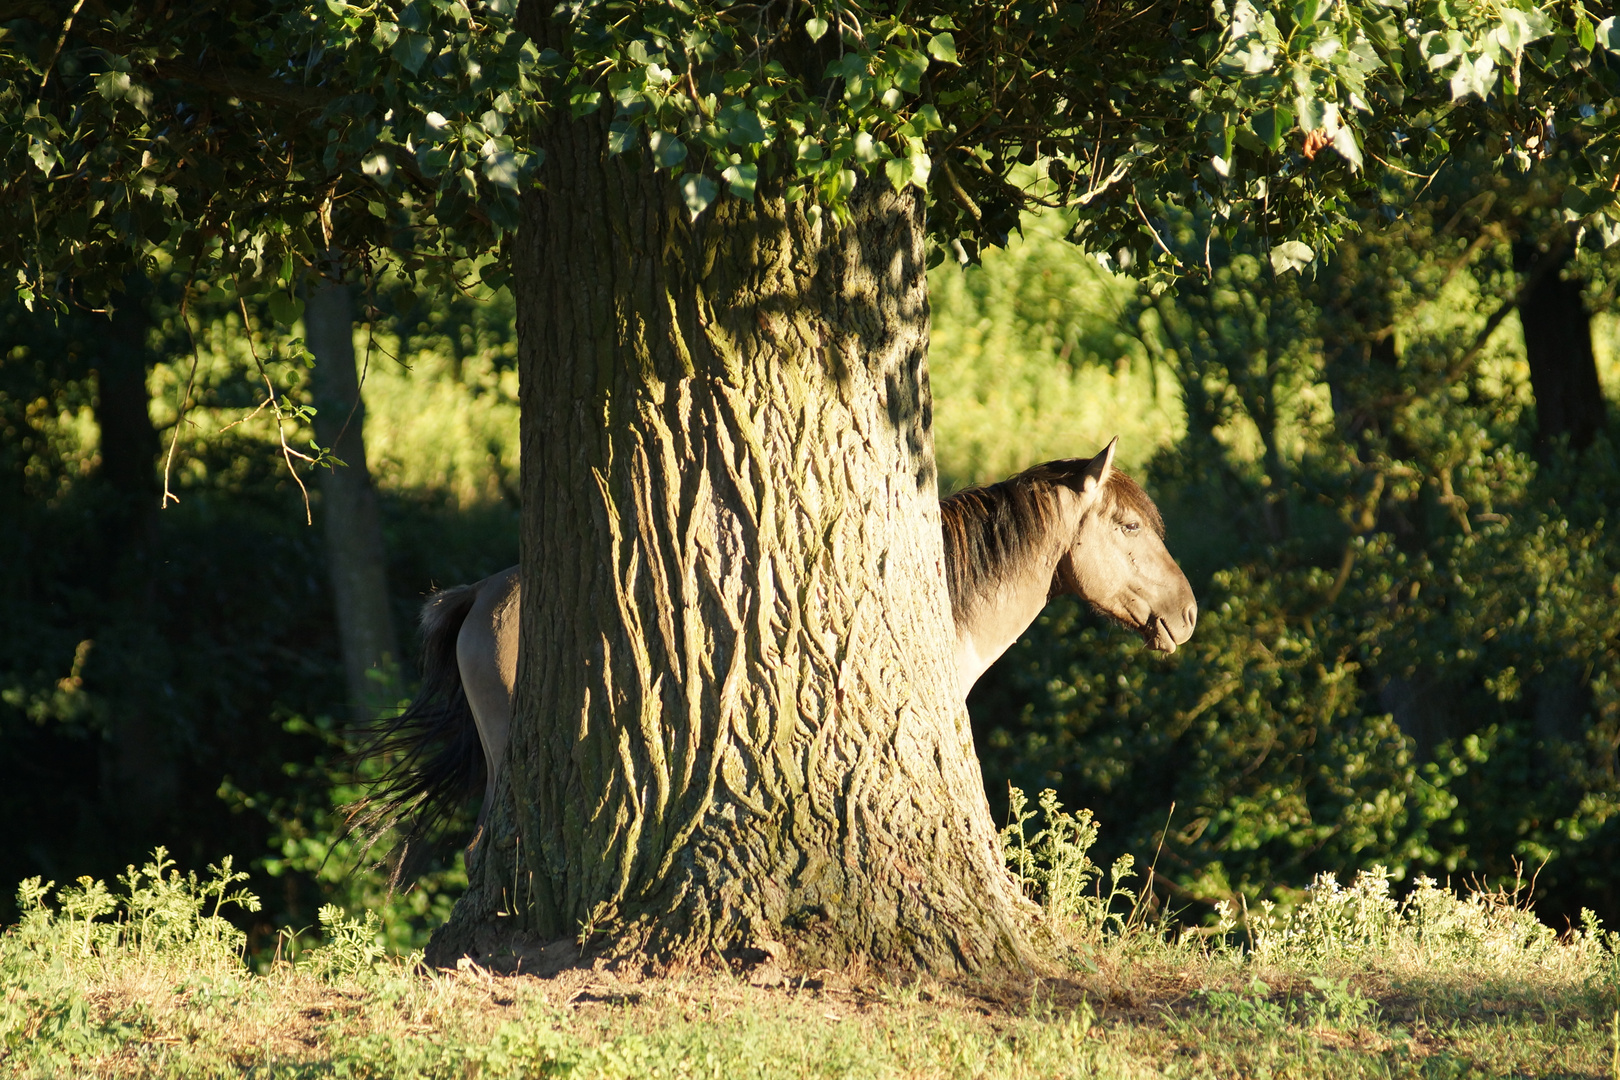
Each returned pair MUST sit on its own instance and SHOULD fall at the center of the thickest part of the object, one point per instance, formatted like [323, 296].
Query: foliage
[1405, 653]
[413, 127]
[209, 623]
[1029, 362]
[311, 841]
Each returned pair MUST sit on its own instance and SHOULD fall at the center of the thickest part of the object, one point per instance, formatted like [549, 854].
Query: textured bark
[737, 722]
[1558, 345]
[354, 540]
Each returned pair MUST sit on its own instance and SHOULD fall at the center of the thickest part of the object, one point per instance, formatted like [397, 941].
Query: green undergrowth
[147, 978]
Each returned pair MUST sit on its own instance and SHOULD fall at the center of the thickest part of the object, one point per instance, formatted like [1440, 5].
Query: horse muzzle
[1159, 635]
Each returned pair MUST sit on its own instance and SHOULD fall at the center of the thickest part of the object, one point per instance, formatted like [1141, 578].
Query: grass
[147, 979]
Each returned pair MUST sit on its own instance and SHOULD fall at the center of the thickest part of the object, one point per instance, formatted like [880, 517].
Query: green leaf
[746, 129]
[1584, 33]
[698, 191]
[1312, 113]
[740, 179]
[501, 166]
[621, 137]
[379, 166]
[411, 50]
[113, 85]
[1270, 125]
[583, 100]
[913, 169]
[1608, 34]
[816, 27]
[909, 68]
[1290, 255]
[1344, 141]
[850, 64]
[667, 150]
[942, 47]
[285, 308]
[433, 160]
[1514, 33]
[43, 154]
[1473, 77]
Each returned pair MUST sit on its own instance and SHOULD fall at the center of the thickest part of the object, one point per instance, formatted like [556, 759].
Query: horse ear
[1100, 469]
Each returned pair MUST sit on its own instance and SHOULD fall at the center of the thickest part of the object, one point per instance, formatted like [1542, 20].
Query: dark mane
[990, 531]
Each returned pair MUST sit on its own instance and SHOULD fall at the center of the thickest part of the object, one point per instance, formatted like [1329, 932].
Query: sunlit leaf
[698, 191]
[741, 179]
[667, 150]
[1291, 255]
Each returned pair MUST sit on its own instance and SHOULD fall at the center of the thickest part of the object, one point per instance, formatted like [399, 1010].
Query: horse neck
[1014, 592]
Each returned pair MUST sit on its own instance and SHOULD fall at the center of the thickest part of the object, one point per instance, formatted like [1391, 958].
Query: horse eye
[1131, 528]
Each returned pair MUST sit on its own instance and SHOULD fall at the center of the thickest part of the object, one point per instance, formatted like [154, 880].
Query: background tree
[356, 557]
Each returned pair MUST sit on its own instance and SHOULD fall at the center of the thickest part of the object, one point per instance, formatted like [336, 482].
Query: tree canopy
[247, 135]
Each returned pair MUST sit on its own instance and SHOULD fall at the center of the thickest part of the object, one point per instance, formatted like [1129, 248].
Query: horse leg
[486, 653]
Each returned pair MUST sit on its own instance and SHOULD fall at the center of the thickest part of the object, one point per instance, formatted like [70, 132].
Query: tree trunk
[1558, 344]
[737, 721]
[354, 541]
[140, 765]
[129, 444]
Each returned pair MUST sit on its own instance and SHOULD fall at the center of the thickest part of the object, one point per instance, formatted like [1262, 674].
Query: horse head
[1117, 561]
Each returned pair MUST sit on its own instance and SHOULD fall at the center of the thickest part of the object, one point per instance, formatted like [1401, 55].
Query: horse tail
[433, 759]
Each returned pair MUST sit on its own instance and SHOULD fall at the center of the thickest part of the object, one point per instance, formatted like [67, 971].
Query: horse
[1076, 526]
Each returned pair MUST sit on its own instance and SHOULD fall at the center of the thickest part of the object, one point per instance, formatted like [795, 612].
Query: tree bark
[1558, 345]
[737, 722]
[354, 540]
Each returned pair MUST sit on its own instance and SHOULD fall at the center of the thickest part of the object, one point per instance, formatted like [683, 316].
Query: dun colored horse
[1071, 527]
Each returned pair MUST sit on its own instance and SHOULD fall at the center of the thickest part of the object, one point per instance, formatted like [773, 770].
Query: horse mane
[998, 529]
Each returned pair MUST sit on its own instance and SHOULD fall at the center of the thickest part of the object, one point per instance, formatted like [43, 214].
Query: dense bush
[1407, 652]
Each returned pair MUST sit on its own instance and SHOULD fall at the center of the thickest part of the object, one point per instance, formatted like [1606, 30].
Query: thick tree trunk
[354, 540]
[1558, 344]
[737, 720]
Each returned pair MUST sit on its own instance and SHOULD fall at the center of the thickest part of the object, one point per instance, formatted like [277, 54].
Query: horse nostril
[1189, 616]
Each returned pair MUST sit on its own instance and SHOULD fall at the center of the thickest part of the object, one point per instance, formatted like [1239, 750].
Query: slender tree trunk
[1558, 344]
[140, 764]
[354, 541]
[737, 722]
[129, 443]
